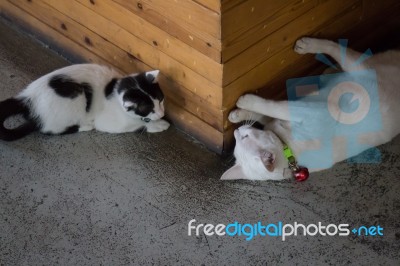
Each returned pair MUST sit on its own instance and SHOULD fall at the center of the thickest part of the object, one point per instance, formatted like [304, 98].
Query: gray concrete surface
[101, 199]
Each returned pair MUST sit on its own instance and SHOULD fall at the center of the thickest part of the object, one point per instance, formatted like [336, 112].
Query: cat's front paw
[304, 46]
[234, 116]
[239, 115]
[157, 126]
[246, 101]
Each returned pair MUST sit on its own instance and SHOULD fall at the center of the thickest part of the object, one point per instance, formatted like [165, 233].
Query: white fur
[106, 114]
[277, 119]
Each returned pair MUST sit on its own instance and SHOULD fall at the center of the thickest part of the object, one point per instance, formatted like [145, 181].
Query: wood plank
[226, 5]
[177, 30]
[214, 5]
[248, 14]
[236, 42]
[123, 39]
[57, 41]
[81, 35]
[284, 37]
[202, 52]
[193, 18]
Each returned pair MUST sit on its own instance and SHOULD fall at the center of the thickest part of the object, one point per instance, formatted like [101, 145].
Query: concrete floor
[101, 199]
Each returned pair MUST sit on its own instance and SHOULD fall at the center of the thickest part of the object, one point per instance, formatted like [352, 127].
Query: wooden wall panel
[189, 19]
[284, 37]
[214, 5]
[227, 5]
[55, 39]
[241, 37]
[201, 56]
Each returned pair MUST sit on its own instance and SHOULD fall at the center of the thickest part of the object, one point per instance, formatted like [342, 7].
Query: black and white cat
[83, 97]
[259, 153]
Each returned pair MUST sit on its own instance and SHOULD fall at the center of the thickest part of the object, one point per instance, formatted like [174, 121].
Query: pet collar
[299, 173]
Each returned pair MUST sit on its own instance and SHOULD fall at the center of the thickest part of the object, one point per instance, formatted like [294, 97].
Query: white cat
[84, 97]
[259, 153]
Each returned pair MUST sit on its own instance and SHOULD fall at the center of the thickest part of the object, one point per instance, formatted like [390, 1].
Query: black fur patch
[71, 130]
[108, 90]
[143, 83]
[144, 105]
[87, 89]
[258, 125]
[66, 87]
[11, 107]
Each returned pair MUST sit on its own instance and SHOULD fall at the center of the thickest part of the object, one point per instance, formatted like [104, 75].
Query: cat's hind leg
[347, 59]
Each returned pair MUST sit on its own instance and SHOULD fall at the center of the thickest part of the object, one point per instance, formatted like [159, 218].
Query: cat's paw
[246, 101]
[239, 115]
[157, 126]
[86, 128]
[235, 116]
[305, 45]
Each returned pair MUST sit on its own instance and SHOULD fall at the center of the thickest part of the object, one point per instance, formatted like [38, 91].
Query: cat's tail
[11, 107]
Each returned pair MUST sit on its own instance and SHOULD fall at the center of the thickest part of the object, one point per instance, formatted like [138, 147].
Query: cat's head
[259, 155]
[141, 96]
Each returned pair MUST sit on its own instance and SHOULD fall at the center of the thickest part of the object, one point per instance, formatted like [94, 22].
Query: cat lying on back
[259, 153]
[84, 97]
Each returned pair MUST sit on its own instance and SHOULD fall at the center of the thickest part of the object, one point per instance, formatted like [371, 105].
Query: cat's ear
[268, 159]
[233, 173]
[152, 76]
[129, 104]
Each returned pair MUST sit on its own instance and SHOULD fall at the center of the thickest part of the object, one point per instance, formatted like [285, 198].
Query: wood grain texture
[284, 37]
[242, 37]
[227, 5]
[184, 17]
[214, 5]
[165, 42]
[55, 39]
